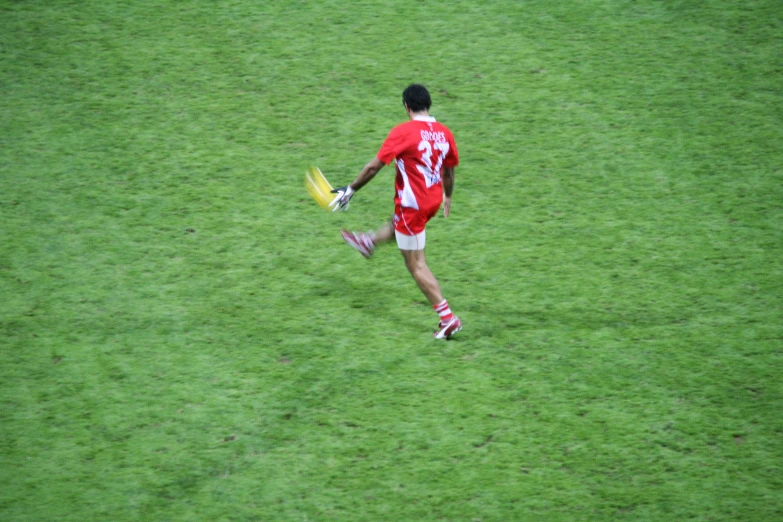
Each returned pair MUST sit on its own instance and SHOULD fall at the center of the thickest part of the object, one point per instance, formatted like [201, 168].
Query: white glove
[343, 198]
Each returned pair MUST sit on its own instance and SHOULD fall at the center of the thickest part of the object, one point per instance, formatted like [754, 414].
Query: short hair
[417, 98]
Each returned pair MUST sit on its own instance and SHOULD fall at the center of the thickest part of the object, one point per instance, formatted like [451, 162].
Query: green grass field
[184, 336]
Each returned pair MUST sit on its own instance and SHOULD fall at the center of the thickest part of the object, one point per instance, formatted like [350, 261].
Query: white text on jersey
[433, 136]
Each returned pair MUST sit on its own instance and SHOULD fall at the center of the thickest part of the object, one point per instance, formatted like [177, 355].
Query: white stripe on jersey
[407, 197]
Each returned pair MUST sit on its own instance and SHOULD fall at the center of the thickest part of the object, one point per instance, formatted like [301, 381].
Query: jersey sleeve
[452, 157]
[393, 146]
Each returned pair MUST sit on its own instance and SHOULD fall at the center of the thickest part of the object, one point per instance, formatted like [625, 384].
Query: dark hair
[417, 98]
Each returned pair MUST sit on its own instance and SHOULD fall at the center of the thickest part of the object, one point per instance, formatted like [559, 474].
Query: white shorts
[411, 242]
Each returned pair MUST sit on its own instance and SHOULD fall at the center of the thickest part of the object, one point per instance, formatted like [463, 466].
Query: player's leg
[412, 249]
[416, 264]
[366, 242]
[384, 234]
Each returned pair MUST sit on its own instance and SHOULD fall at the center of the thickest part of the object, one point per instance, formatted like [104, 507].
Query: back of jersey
[422, 148]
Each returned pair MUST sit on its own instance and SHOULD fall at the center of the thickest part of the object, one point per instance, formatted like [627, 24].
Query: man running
[426, 156]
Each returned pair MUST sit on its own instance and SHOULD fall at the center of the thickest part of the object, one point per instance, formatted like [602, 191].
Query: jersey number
[432, 174]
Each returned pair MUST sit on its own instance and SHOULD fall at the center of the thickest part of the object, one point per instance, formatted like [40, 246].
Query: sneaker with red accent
[361, 241]
[449, 328]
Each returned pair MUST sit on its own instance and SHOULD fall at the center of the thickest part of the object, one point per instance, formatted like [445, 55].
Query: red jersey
[422, 148]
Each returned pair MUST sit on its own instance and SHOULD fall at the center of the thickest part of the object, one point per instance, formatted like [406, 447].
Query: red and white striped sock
[444, 311]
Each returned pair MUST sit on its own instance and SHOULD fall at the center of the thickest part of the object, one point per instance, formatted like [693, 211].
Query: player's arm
[344, 194]
[367, 173]
[448, 189]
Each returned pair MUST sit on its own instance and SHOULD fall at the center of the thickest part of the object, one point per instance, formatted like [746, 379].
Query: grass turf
[185, 338]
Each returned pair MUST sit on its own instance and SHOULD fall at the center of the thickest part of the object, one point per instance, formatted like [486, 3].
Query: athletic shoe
[361, 241]
[449, 328]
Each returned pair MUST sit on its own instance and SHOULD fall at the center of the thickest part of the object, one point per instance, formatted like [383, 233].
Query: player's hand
[446, 206]
[343, 198]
